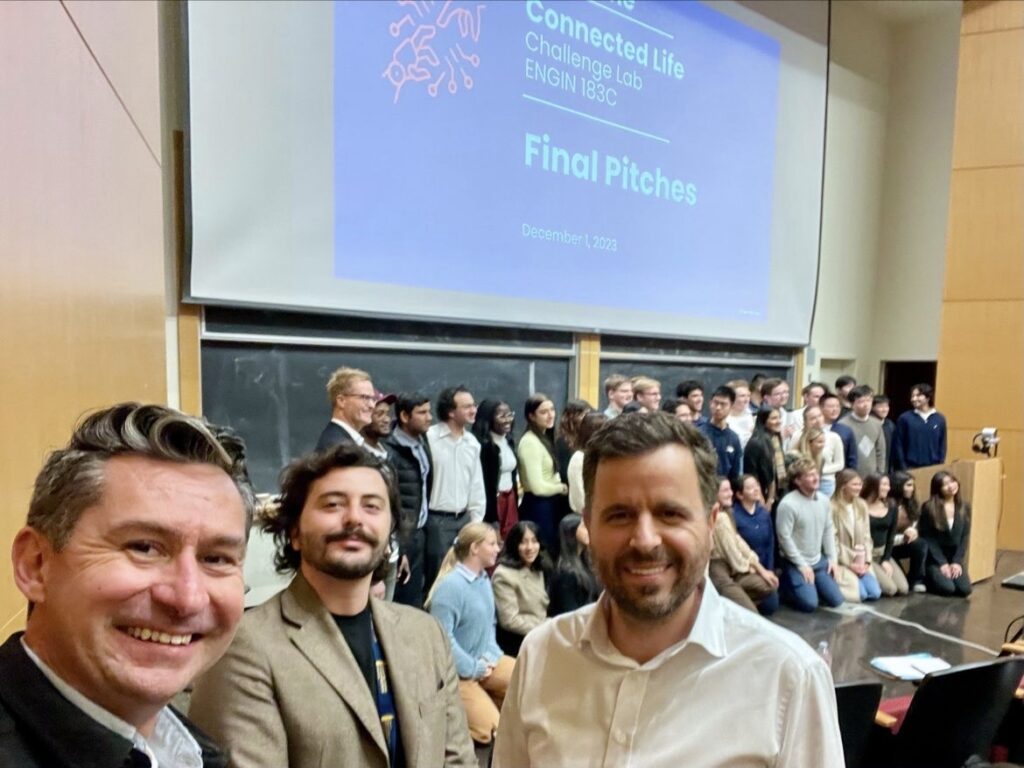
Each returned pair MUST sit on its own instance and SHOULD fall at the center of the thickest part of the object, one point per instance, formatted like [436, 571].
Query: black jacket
[333, 435]
[410, 483]
[39, 728]
[490, 462]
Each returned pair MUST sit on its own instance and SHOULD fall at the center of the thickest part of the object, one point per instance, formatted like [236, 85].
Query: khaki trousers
[745, 589]
[483, 698]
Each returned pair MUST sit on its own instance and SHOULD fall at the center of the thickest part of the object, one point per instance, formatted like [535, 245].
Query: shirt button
[620, 736]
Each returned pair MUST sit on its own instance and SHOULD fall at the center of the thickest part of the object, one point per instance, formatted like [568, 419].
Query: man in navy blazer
[352, 397]
[831, 407]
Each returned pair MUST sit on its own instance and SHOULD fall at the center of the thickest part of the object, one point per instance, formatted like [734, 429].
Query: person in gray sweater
[803, 525]
[869, 436]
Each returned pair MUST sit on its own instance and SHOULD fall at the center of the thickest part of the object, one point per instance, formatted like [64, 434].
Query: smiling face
[852, 489]
[484, 553]
[696, 400]
[650, 537]
[464, 412]
[147, 591]
[345, 524]
[779, 396]
[724, 495]
[649, 398]
[355, 406]
[813, 418]
[529, 548]
[774, 422]
[683, 412]
[381, 419]
[884, 487]
[501, 423]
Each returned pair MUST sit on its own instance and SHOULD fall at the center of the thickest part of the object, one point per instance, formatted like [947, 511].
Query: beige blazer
[848, 535]
[728, 545]
[289, 694]
[520, 598]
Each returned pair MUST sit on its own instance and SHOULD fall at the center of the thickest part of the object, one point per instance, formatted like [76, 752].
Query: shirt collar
[352, 432]
[171, 743]
[404, 438]
[708, 632]
[467, 574]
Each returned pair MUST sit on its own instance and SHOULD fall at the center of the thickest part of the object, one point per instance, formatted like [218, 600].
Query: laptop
[1014, 582]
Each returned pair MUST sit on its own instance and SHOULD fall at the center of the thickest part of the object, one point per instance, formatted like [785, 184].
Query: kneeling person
[661, 666]
[321, 674]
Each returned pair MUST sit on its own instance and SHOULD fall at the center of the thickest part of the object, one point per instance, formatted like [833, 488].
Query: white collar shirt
[739, 691]
[458, 484]
[353, 433]
[170, 746]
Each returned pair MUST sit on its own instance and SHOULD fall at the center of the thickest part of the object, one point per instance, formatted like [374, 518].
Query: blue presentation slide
[612, 153]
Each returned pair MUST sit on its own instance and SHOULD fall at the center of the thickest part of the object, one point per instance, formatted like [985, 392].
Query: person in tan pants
[734, 568]
[462, 599]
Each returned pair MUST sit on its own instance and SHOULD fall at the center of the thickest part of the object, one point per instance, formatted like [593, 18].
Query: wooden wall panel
[991, 15]
[1011, 451]
[81, 273]
[980, 367]
[590, 385]
[989, 129]
[984, 257]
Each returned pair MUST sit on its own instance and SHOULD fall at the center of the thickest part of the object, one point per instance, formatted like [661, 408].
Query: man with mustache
[323, 674]
[662, 671]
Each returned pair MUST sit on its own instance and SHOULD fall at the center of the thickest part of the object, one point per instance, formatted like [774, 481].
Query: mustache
[352, 533]
[656, 556]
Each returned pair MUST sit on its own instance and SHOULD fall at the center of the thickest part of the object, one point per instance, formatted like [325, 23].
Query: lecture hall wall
[88, 314]
[82, 299]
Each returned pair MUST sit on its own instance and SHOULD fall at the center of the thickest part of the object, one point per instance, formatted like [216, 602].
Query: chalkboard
[670, 374]
[274, 395]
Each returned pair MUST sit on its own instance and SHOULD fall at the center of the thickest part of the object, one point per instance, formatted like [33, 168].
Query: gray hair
[72, 478]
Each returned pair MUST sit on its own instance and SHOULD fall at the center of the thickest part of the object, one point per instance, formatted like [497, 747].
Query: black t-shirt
[358, 633]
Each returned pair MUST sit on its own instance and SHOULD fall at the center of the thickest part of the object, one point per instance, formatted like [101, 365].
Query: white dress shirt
[740, 691]
[352, 432]
[170, 746]
[458, 477]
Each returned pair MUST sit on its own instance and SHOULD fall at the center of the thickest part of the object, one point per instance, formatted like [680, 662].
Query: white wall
[915, 211]
[858, 103]
[887, 166]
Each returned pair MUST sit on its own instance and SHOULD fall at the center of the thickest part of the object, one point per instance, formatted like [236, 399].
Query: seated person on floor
[807, 542]
[462, 599]
[945, 526]
[853, 540]
[520, 586]
[735, 569]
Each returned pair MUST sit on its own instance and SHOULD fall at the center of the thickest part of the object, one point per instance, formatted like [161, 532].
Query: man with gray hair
[131, 560]
[657, 670]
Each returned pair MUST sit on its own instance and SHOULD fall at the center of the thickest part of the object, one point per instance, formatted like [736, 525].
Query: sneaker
[919, 588]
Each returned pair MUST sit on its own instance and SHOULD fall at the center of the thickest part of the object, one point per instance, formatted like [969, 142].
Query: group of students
[523, 589]
[806, 510]
[849, 548]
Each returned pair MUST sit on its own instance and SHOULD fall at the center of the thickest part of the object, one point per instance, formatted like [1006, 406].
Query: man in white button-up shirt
[661, 671]
[457, 496]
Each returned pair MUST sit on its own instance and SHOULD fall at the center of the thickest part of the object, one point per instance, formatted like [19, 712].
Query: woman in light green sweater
[544, 493]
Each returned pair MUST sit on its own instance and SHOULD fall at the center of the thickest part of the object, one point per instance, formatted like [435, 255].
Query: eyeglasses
[364, 398]
[509, 415]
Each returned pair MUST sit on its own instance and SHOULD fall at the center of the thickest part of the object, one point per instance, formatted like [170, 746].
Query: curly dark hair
[296, 480]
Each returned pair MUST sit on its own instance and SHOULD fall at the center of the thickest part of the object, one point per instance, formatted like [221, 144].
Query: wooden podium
[981, 485]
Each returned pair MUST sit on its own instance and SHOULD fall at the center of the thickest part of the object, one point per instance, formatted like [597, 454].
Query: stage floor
[959, 631]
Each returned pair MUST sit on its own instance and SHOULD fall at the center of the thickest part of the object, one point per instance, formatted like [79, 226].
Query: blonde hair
[342, 379]
[471, 533]
[805, 446]
[644, 383]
